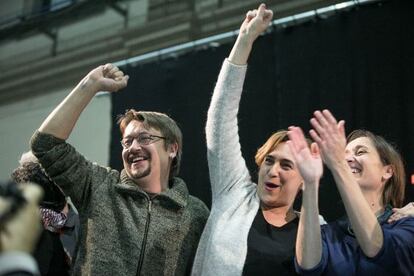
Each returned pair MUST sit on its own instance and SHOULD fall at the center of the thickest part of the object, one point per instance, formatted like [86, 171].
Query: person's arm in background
[330, 137]
[399, 213]
[309, 162]
[226, 164]
[18, 235]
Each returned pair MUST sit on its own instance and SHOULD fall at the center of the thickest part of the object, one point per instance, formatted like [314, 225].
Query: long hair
[394, 188]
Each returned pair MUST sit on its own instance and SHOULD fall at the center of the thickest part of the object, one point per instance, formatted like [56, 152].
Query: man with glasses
[140, 221]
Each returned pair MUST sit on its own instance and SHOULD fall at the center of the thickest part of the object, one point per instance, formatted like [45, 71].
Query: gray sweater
[223, 245]
[123, 231]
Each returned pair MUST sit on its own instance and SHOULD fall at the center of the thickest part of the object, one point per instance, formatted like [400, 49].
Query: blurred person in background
[60, 219]
[19, 229]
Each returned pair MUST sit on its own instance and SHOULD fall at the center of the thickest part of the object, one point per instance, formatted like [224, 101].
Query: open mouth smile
[271, 186]
[355, 169]
[137, 159]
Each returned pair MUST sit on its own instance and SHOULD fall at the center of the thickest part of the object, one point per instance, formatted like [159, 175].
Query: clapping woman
[369, 174]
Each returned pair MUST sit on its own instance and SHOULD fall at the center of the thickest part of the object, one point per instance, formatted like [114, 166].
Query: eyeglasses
[142, 139]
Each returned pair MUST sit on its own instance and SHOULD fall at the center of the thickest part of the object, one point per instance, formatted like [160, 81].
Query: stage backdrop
[359, 64]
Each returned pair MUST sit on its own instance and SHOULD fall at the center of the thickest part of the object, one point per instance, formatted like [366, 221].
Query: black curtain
[359, 64]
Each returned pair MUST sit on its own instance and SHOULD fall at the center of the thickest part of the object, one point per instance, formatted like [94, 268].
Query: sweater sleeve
[226, 165]
[321, 266]
[398, 247]
[68, 168]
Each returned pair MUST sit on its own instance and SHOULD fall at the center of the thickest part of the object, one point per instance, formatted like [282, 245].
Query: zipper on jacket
[144, 241]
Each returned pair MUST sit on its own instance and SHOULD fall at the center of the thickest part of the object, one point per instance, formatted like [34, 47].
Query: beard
[138, 173]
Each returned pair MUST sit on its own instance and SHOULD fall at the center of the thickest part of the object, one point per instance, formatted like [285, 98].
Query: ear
[301, 186]
[172, 150]
[387, 173]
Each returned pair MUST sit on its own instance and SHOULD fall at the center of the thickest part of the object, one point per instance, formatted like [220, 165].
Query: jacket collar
[177, 194]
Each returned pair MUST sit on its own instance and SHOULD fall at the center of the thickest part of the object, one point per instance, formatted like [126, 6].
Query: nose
[274, 170]
[349, 157]
[135, 145]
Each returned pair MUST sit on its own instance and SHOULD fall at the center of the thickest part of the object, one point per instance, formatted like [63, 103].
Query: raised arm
[64, 117]
[309, 162]
[254, 24]
[330, 136]
[69, 169]
[226, 164]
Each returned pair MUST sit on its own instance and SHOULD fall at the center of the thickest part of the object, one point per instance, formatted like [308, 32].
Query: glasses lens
[142, 139]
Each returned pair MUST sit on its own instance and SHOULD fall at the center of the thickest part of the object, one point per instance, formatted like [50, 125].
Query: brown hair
[270, 145]
[161, 122]
[394, 188]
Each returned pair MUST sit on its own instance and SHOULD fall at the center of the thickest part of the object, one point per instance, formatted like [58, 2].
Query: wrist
[89, 85]
[311, 186]
[245, 40]
[240, 52]
[338, 165]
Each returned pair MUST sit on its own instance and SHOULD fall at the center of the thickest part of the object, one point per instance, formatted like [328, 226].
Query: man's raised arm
[63, 118]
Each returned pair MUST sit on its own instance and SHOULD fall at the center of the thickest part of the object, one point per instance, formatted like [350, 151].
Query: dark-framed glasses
[142, 139]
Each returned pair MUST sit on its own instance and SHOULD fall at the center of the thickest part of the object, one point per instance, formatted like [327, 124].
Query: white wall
[19, 120]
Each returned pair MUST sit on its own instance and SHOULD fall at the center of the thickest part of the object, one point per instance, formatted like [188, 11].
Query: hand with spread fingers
[399, 213]
[330, 137]
[308, 160]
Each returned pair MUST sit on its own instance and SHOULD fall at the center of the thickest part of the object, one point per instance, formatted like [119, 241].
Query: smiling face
[279, 180]
[366, 165]
[147, 165]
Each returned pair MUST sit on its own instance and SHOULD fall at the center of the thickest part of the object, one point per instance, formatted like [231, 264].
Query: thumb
[341, 127]
[261, 11]
[315, 149]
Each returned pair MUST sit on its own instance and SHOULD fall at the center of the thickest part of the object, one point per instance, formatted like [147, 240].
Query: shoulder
[107, 171]
[179, 193]
[103, 174]
[197, 206]
[403, 224]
